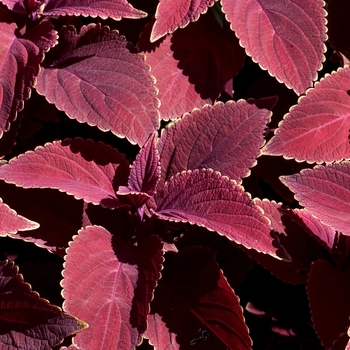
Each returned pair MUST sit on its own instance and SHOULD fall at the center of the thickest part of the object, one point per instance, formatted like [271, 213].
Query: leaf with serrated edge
[317, 129]
[28, 321]
[325, 192]
[94, 78]
[117, 9]
[225, 137]
[284, 37]
[11, 222]
[109, 283]
[170, 17]
[61, 166]
[205, 198]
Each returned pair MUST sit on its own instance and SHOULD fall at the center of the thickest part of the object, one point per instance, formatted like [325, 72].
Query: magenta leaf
[286, 38]
[205, 198]
[328, 289]
[170, 17]
[94, 78]
[11, 222]
[196, 303]
[176, 94]
[316, 130]
[20, 58]
[27, 321]
[225, 137]
[84, 169]
[325, 192]
[117, 9]
[109, 283]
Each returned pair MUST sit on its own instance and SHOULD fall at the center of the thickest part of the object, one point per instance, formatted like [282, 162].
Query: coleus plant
[145, 239]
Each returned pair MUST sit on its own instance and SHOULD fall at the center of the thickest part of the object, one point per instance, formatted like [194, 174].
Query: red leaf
[117, 9]
[84, 169]
[20, 58]
[197, 304]
[210, 55]
[316, 130]
[328, 290]
[109, 283]
[27, 321]
[325, 192]
[176, 94]
[284, 37]
[94, 78]
[170, 17]
[205, 198]
[11, 222]
[224, 137]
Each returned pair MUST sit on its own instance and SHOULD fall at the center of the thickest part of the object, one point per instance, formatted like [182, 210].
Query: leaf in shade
[176, 94]
[84, 169]
[109, 283]
[11, 222]
[328, 289]
[210, 55]
[15, 5]
[20, 58]
[170, 17]
[225, 137]
[196, 303]
[27, 321]
[94, 78]
[117, 9]
[317, 129]
[205, 198]
[286, 38]
[325, 192]
[58, 214]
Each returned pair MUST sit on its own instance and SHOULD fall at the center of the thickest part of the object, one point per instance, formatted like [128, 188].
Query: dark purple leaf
[205, 198]
[284, 37]
[224, 137]
[317, 129]
[27, 321]
[94, 78]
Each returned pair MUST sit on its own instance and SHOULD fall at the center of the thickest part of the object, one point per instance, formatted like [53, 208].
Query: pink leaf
[170, 17]
[286, 38]
[27, 321]
[94, 78]
[109, 283]
[117, 9]
[317, 130]
[225, 137]
[20, 58]
[196, 303]
[11, 222]
[205, 198]
[328, 289]
[325, 192]
[84, 169]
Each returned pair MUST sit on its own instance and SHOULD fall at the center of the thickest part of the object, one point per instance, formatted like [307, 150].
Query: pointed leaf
[27, 321]
[198, 305]
[284, 37]
[11, 222]
[205, 198]
[117, 9]
[170, 17]
[20, 58]
[325, 192]
[316, 130]
[328, 290]
[94, 78]
[225, 137]
[109, 283]
[84, 169]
